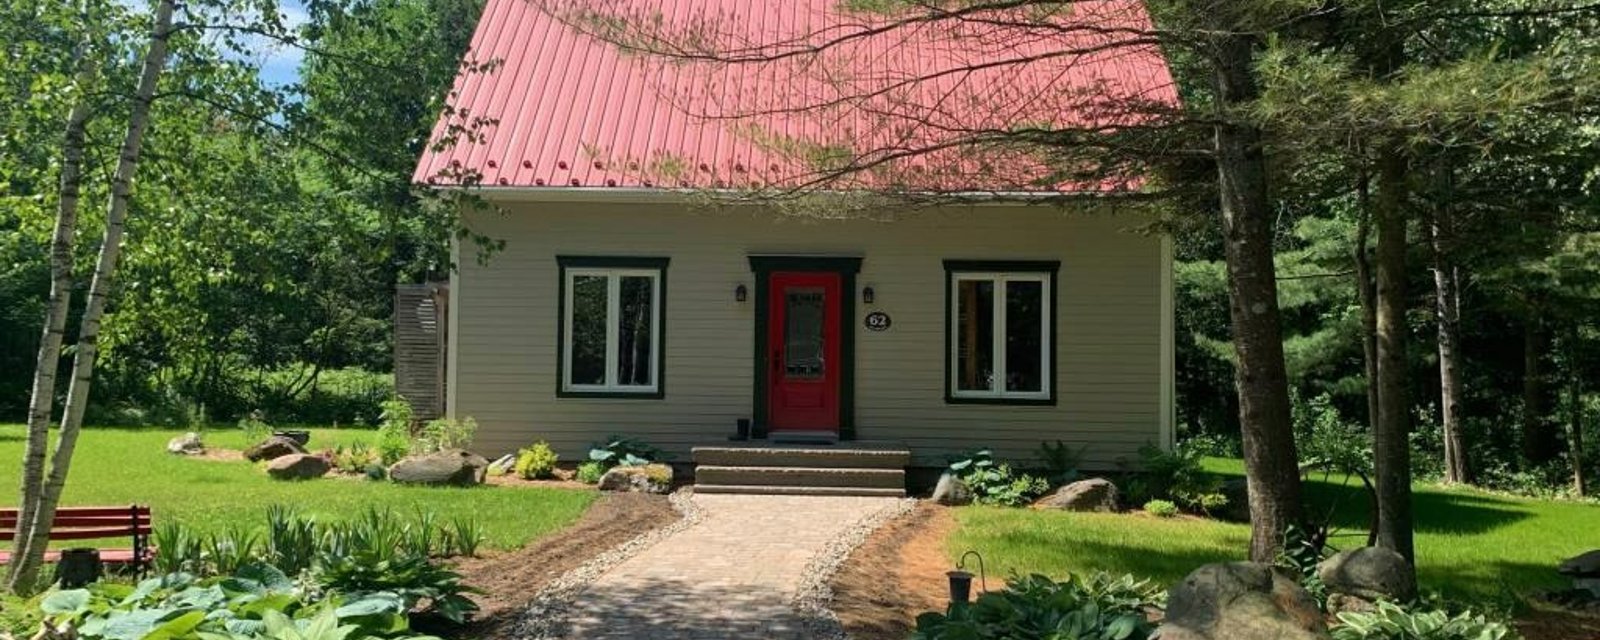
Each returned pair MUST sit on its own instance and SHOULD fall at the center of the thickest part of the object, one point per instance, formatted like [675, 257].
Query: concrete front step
[799, 491]
[800, 477]
[852, 457]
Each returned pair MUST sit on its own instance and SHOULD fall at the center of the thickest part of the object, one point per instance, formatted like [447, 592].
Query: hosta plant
[1093, 607]
[1390, 621]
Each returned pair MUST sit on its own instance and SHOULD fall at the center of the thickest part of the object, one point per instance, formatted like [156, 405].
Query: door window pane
[1024, 335]
[589, 302]
[975, 335]
[634, 331]
[803, 318]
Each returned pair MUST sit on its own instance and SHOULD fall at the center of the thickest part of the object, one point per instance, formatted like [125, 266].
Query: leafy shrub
[464, 536]
[1161, 508]
[1061, 461]
[624, 451]
[394, 432]
[1214, 444]
[590, 472]
[1175, 477]
[255, 427]
[422, 585]
[445, 433]
[995, 483]
[1393, 622]
[536, 462]
[179, 549]
[292, 541]
[1098, 606]
[355, 458]
[1302, 551]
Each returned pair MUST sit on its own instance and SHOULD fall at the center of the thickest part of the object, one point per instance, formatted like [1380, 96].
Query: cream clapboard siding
[1110, 362]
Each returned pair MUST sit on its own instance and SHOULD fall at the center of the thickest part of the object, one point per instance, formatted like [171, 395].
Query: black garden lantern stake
[961, 579]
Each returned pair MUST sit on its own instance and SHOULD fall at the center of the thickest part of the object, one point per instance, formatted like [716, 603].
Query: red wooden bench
[92, 523]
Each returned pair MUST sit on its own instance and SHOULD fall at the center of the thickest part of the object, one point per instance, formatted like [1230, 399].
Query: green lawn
[123, 466]
[1471, 545]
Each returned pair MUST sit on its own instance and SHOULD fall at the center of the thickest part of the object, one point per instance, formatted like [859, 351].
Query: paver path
[731, 575]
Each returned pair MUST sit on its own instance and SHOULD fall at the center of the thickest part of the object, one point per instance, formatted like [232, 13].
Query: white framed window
[611, 329]
[1000, 332]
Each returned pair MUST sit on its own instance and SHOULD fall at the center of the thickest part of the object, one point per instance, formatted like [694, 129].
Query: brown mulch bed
[220, 455]
[897, 574]
[510, 579]
[1555, 624]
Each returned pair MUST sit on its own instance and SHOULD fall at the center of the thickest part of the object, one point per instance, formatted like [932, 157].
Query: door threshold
[803, 437]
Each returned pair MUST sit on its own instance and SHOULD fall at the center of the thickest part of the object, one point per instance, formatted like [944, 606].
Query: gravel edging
[546, 616]
[812, 601]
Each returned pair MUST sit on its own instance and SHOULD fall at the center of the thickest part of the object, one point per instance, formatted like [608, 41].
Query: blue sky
[280, 64]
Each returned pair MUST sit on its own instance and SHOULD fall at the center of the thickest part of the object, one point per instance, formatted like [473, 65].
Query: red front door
[803, 351]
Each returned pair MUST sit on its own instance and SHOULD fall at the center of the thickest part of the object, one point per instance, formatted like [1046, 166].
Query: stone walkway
[734, 574]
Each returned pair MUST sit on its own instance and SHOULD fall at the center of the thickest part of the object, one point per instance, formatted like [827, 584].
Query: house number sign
[878, 321]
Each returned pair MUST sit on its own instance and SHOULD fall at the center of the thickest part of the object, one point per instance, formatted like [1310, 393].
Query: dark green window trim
[611, 262]
[1051, 268]
[847, 268]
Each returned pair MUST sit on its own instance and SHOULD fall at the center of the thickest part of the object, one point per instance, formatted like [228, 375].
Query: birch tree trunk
[42, 403]
[1392, 440]
[35, 535]
[1272, 471]
[1447, 318]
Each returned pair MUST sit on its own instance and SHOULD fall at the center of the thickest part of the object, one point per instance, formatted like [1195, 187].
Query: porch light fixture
[961, 579]
[740, 294]
[867, 295]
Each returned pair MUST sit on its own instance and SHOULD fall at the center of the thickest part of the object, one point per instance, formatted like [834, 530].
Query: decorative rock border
[546, 616]
[812, 600]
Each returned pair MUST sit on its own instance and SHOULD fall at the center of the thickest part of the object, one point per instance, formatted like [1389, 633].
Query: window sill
[656, 394]
[1000, 400]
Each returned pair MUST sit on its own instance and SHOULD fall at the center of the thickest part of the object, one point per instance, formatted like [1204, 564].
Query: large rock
[273, 448]
[1241, 601]
[649, 478]
[1584, 565]
[1094, 494]
[452, 467]
[952, 491]
[1237, 491]
[187, 444]
[1369, 573]
[298, 466]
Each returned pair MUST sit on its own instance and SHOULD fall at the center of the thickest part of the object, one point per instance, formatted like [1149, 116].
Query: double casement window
[1000, 332]
[611, 326]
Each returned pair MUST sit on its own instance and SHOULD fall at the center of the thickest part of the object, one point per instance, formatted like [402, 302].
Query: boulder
[648, 478]
[1237, 491]
[298, 466]
[273, 448]
[451, 467]
[1369, 573]
[1241, 601]
[187, 444]
[1094, 494]
[952, 491]
[1584, 565]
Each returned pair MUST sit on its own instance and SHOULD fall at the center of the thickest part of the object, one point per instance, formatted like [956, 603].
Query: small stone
[1345, 603]
[187, 444]
[273, 448]
[1241, 601]
[298, 466]
[1371, 573]
[952, 491]
[451, 467]
[649, 478]
[1094, 494]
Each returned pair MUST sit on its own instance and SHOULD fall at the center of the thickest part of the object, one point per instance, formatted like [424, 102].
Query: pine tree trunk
[42, 403]
[1271, 462]
[35, 533]
[1365, 294]
[1540, 444]
[1391, 441]
[1447, 318]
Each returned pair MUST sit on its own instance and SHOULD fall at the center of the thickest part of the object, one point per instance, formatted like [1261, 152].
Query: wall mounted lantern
[740, 294]
[867, 295]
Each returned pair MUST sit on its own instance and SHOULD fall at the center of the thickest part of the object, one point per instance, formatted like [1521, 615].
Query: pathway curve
[733, 574]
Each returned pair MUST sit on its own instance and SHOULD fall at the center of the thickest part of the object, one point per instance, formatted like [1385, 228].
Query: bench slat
[85, 533]
[10, 522]
[126, 510]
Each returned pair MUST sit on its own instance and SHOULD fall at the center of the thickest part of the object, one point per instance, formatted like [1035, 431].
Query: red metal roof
[565, 104]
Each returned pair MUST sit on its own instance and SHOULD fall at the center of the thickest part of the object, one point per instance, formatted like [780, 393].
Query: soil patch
[509, 480]
[510, 579]
[897, 574]
[220, 455]
[1554, 624]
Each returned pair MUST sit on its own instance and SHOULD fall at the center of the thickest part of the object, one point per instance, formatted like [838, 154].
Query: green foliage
[463, 537]
[1394, 622]
[394, 430]
[254, 427]
[1302, 552]
[445, 433]
[356, 457]
[996, 483]
[422, 585]
[1177, 477]
[536, 462]
[1096, 607]
[1061, 461]
[590, 472]
[1326, 439]
[624, 451]
[1161, 508]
